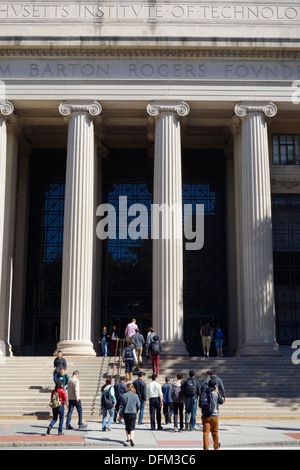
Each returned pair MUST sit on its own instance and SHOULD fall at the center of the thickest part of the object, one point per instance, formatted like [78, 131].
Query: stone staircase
[255, 387]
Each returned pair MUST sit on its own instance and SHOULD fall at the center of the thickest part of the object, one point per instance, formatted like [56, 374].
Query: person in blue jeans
[191, 391]
[58, 413]
[103, 340]
[107, 387]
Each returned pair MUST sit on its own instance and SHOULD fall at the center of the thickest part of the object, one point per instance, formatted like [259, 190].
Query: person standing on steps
[141, 391]
[103, 340]
[74, 400]
[59, 362]
[129, 408]
[113, 340]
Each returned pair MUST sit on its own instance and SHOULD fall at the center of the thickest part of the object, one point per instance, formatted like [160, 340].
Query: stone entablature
[240, 22]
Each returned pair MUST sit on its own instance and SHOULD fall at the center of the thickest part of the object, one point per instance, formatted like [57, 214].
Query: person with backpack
[220, 384]
[155, 349]
[206, 333]
[129, 407]
[177, 399]
[108, 401]
[129, 358]
[57, 403]
[209, 404]
[167, 401]
[191, 391]
[219, 341]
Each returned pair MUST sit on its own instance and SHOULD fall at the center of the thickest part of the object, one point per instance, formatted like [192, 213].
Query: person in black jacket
[141, 391]
[120, 389]
[191, 391]
[59, 362]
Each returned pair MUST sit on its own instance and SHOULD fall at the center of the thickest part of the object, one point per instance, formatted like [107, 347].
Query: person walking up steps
[155, 349]
[57, 403]
[209, 404]
[129, 408]
[74, 400]
[129, 357]
[191, 391]
[154, 395]
[108, 402]
[167, 401]
[177, 399]
[141, 391]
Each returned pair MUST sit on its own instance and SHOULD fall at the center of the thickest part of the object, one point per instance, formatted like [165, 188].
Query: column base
[257, 348]
[75, 348]
[174, 348]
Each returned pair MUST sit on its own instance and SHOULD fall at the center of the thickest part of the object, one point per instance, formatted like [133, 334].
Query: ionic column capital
[6, 109]
[92, 108]
[156, 108]
[244, 109]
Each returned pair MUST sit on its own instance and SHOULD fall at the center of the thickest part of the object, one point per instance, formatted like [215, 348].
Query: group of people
[207, 334]
[178, 399]
[134, 347]
[65, 393]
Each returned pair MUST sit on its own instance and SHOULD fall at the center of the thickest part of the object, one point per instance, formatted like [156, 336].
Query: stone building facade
[165, 102]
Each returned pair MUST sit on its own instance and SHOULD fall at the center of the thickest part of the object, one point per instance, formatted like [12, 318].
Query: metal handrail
[118, 352]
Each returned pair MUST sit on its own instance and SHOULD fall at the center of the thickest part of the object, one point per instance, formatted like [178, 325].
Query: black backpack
[155, 348]
[176, 394]
[128, 352]
[206, 403]
[190, 387]
[107, 401]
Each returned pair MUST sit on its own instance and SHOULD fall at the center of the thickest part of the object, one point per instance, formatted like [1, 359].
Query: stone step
[254, 386]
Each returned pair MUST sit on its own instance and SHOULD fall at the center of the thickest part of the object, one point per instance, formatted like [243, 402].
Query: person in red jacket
[59, 411]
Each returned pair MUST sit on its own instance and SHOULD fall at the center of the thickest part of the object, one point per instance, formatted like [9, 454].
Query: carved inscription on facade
[95, 12]
[151, 69]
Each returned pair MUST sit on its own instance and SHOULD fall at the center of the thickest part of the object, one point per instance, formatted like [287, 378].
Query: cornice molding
[144, 52]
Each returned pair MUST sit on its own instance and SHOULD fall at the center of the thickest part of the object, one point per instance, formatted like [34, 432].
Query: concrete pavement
[233, 434]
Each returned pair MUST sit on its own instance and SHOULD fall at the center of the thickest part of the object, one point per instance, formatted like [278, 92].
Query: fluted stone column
[79, 234]
[255, 233]
[6, 176]
[167, 307]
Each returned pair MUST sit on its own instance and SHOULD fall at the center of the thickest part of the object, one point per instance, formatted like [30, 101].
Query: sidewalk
[233, 434]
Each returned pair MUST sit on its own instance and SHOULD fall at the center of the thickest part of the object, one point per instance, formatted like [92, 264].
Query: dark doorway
[44, 250]
[205, 280]
[127, 263]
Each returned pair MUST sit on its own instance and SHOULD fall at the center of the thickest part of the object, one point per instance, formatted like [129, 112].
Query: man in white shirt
[155, 396]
